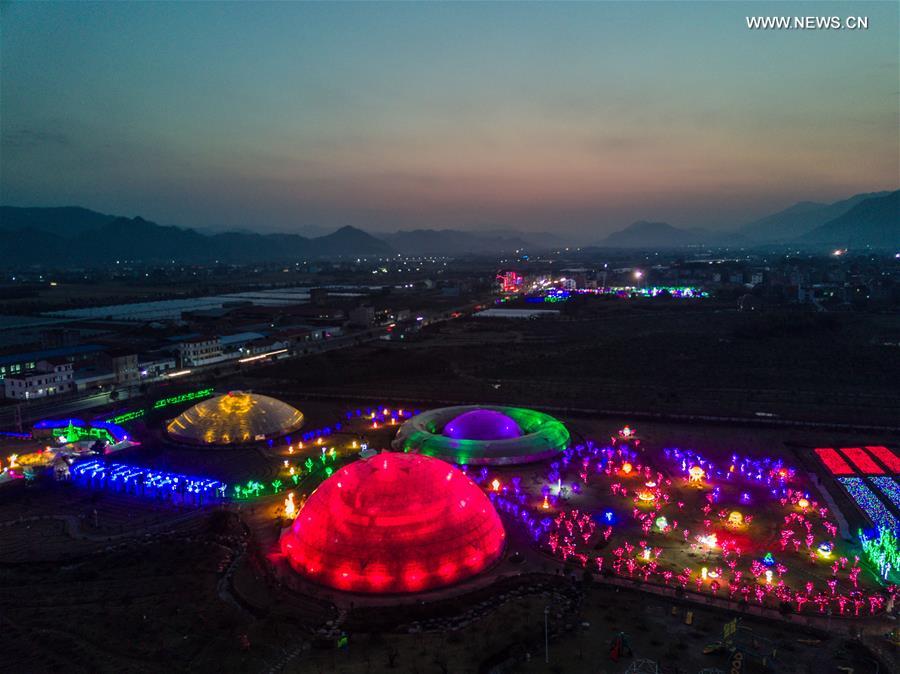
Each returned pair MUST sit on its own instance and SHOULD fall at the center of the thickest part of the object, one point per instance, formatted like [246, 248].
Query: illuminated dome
[482, 425]
[394, 523]
[486, 434]
[235, 418]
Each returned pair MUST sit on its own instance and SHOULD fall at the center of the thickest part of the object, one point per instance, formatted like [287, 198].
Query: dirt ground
[643, 357]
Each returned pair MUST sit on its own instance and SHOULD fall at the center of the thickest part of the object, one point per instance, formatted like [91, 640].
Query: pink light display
[862, 460]
[737, 556]
[394, 523]
[834, 461]
[887, 457]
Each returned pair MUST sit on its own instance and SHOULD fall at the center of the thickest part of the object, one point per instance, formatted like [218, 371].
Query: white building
[153, 366]
[200, 351]
[47, 378]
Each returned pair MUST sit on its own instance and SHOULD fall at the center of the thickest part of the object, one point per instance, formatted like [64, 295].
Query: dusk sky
[556, 117]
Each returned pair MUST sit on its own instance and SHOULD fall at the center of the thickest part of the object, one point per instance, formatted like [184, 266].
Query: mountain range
[459, 242]
[871, 219]
[663, 235]
[37, 235]
[800, 219]
[871, 222]
[86, 238]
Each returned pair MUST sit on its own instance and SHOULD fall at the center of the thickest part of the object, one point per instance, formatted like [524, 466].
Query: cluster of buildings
[832, 281]
[105, 348]
[97, 355]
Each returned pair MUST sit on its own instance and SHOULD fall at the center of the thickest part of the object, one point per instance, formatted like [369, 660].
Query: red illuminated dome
[394, 523]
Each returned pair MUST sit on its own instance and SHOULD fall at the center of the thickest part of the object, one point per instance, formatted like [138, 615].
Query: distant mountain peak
[794, 221]
[94, 238]
[873, 222]
[651, 234]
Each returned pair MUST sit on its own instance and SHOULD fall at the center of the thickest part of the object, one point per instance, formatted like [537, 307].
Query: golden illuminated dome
[235, 418]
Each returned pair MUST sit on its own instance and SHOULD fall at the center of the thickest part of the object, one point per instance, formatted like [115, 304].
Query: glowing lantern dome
[233, 419]
[470, 434]
[394, 523]
[482, 425]
[646, 496]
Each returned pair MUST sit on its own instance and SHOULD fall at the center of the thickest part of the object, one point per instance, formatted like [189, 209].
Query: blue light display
[869, 503]
[769, 471]
[147, 483]
[889, 487]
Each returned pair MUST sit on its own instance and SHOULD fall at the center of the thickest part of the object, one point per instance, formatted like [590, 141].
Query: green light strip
[183, 398]
[126, 417]
[160, 404]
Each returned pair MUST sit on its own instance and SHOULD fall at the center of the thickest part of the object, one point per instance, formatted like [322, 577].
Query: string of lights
[889, 487]
[148, 483]
[870, 504]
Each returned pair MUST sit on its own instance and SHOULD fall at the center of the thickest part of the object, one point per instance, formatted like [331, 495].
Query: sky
[575, 118]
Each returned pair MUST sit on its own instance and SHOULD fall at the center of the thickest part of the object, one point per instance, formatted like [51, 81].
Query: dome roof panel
[235, 418]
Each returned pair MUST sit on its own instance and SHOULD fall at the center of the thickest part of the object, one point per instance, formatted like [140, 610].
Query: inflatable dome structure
[394, 523]
[483, 435]
[483, 425]
[235, 418]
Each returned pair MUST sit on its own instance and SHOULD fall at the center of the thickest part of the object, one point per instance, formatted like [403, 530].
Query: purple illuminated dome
[482, 425]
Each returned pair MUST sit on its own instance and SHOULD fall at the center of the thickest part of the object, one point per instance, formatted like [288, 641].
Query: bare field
[828, 368]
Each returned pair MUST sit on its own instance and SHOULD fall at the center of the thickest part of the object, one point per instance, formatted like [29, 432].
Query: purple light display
[482, 425]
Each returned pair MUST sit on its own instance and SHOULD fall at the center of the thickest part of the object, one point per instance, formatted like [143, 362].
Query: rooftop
[45, 354]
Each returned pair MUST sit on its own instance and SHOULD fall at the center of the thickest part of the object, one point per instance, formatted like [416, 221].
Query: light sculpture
[483, 435]
[646, 496]
[235, 418]
[394, 522]
[290, 508]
